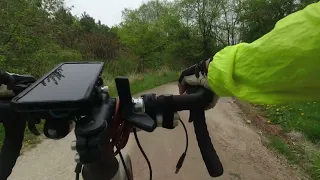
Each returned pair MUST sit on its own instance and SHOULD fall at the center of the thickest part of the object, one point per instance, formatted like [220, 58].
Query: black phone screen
[68, 82]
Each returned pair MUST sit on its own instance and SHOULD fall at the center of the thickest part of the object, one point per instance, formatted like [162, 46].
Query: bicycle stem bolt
[77, 158]
[139, 106]
[74, 145]
[105, 89]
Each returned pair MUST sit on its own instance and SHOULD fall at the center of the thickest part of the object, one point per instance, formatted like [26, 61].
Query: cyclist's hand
[196, 75]
[6, 84]
[12, 84]
[5, 92]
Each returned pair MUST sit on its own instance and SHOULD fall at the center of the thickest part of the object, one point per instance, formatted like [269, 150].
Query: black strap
[167, 113]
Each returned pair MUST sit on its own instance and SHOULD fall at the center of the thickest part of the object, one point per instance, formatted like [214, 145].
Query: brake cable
[119, 130]
[181, 159]
[119, 135]
[183, 156]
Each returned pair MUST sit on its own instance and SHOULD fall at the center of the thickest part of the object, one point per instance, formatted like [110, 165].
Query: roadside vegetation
[292, 130]
[301, 123]
[150, 46]
[303, 117]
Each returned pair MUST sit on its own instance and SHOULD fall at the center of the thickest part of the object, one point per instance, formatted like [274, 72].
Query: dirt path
[239, 147]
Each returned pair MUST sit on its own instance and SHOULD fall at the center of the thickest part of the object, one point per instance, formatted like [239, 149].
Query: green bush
[121, 66]
[45, 59]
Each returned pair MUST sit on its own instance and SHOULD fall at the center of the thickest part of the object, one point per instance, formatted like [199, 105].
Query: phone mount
[140, 120]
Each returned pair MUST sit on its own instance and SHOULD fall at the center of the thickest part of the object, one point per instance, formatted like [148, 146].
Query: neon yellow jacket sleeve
[283, 66]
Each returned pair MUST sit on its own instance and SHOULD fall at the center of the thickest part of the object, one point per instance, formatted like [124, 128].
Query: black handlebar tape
[196, 101]
[185, 101]
[197, 115]
[207, 150]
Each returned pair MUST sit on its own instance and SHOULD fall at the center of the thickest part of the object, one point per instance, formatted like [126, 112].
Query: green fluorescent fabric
[283, 66]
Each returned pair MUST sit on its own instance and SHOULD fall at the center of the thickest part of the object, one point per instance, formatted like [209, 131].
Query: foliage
[172, 33]
[184, 31]
[283, 148]
[303, 117]
[257, 17]
[42, 33]
[301, 154]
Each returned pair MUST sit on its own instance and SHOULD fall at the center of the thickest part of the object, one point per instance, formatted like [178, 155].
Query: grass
[151, 80]
[303, 118]
[141, 82]
[30, 140]
[302, 154]
[315, 167]
[284, 149]
[138, 83]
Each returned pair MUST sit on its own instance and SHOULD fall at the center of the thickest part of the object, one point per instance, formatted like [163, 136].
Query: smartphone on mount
[69, 86]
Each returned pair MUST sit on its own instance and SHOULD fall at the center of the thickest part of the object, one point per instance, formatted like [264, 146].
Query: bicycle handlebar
[196, 100]
[93, 134]
[203, 97]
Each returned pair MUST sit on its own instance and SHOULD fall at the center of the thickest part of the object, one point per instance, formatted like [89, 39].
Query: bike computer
[69, 85]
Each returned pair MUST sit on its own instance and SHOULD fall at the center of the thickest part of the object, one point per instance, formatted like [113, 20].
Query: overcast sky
[108, 11]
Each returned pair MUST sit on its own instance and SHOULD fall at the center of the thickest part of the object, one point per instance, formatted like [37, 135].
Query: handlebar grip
[207, 150]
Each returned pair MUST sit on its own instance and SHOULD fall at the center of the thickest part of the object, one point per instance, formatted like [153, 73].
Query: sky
[107, 11]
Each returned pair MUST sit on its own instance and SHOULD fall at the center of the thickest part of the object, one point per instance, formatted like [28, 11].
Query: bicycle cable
[120, 132]
[119, 135]
[183, 156]
[125, 167]
[142, 151]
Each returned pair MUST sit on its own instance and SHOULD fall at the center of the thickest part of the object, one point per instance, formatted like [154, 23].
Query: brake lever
[141, 121]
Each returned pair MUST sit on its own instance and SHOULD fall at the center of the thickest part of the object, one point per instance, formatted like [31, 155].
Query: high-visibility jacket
[283, 66]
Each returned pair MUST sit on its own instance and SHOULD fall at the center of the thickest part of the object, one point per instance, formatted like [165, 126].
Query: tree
[36, 34]
[260, 16]
[87, 22]
[229, 21]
